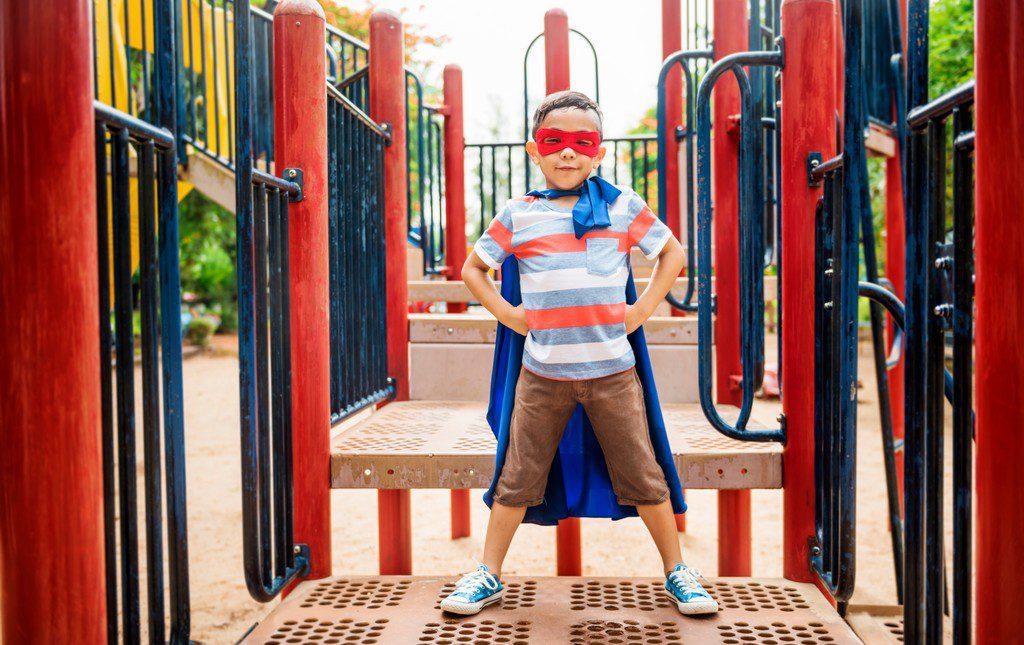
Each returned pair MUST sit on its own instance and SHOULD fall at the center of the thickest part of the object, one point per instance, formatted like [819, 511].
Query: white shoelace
[687, 578]
[474, 580]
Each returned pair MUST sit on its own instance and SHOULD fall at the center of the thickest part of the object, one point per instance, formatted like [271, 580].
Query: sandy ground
[222, 609]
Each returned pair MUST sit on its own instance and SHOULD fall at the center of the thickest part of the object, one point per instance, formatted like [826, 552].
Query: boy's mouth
[565, 168]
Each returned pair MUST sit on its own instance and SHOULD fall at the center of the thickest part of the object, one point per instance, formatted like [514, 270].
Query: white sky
[489, 37]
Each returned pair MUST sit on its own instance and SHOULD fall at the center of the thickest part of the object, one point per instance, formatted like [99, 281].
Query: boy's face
[566, 169]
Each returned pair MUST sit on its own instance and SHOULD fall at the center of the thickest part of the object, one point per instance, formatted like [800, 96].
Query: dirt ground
[222, 610]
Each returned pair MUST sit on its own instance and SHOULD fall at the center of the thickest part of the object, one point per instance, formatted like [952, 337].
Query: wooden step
[538, 610]
[448, 444]
[482, 328]
[456, 291]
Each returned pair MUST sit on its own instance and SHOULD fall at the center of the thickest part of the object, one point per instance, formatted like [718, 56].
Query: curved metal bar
[896, 351]
[750, 284]
[680, 58]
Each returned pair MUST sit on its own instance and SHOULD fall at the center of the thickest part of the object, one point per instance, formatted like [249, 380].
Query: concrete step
[456, 291]
[388, 610]
[462, 371]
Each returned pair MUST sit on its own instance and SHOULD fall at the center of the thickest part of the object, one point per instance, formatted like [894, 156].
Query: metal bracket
[780, 44]
[302, 558]
[386, 127]
[813, 161]
[294, 175]
[680, 133]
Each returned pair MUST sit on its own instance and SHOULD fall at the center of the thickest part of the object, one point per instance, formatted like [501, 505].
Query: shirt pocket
[603, 256]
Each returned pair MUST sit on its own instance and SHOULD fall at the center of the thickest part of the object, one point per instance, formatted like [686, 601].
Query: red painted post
[300, 131]
[731, 36]
[671, 42]
[999, 363]
[895, 268]
[455, 232]
[51, 507]
[808, 119]
[387, 106]
[556, 75]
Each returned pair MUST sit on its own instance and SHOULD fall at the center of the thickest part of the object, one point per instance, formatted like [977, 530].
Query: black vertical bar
[150, 392]
[206, 73]
[106, 382]
[286, 353]
[129, 106]
[216, 94]
[494, 181]
[646, 173]
[277, 390]
[264, 201]
[125, 390]
[935, 375]
[144, 54]
[480, 168]
[332, 249]
[963, 423]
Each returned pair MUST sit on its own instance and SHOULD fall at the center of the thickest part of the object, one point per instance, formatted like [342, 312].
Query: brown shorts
[615, 407]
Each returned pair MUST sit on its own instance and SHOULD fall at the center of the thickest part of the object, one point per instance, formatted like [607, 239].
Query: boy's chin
[562, 184]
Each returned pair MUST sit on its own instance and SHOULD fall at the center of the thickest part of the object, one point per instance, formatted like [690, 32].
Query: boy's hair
[562, 100]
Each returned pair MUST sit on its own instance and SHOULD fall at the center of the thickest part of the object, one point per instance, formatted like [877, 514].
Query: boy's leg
[540, 412]
[615, 407]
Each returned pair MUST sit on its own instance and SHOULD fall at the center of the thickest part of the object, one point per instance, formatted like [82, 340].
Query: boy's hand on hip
[516, 321]
[635, 317]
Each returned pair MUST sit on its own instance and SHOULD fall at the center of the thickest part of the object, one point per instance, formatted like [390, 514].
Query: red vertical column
[300, 133]
[733, 505]
[808, 119]
[999, 362]
[387, 106]
[895, 268]
[51, 506]
[455, 231]
[671, 42]
[556, 75]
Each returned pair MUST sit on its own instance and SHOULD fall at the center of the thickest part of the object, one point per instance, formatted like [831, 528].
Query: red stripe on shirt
[500, 234]
[566, 243]
[642, 223]
[581, 316]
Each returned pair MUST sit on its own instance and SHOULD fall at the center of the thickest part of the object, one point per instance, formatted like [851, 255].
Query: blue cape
[578, 484]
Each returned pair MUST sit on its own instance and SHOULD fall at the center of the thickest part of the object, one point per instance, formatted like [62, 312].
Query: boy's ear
[601, 151]
[531, 149]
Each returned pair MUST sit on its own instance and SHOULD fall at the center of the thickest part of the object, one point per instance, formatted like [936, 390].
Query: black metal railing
[271, 558]
[130, 150]
[348, 66]
[424, 154]
[687, 61]
[940, 298]
[833, 549]
[751, 252]
[124, 65]
[358, 271]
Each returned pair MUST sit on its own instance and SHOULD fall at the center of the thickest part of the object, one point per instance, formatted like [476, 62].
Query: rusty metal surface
[547, 610]
[447, 444]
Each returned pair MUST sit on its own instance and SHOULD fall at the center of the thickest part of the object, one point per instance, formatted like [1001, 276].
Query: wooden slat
[481, 328]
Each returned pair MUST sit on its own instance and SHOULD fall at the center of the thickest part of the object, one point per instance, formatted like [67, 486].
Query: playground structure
[308, 137]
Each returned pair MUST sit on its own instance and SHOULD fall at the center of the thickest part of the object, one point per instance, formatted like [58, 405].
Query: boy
[572, 242]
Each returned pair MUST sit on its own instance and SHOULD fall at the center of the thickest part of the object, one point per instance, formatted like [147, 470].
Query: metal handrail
[751, 283]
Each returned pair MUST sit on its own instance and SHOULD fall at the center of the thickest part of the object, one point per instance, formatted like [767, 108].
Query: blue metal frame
[271, 559]
[751, 246]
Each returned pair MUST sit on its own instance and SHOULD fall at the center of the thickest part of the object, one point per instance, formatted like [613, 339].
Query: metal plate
[542, 610]
[447, 444]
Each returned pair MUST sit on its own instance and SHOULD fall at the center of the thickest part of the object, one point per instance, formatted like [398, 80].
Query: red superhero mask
[563, 139]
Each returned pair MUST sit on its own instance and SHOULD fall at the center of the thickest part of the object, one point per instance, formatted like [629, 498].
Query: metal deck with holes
[447, 444]
[547, 610]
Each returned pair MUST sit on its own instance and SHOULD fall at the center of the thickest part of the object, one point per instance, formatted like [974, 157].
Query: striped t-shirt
[574, 290]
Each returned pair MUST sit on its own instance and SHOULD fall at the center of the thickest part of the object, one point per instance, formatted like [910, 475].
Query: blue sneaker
[691, 598]
[474, 591]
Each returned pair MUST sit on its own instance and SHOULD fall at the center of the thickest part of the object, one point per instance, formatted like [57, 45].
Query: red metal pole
[999, 364]
[300, 131]
[51, 505]
[387, 105]
[455, 232]
[731, 36]
[556, 75]
[808, 119]
[895, 268]
[671, 42]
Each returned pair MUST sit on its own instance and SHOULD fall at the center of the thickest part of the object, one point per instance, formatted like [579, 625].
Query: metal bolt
[815, 550]
[472, 472]
[780, 418]
[828, 273]
[292, 174]
[943, 311]
[367, 472]
[451, 330]
[815, 163]
[297, 550]
[828, 305]
[944, 262]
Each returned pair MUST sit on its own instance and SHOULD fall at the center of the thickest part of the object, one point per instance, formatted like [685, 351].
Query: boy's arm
[670, 263]
[474, 274]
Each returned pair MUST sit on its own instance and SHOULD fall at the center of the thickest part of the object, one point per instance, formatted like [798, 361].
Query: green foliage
[208, 257]
[199, 330]
[950, 45]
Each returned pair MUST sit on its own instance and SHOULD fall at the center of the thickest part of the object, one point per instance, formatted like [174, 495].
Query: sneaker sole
[470, 608]
[694, 608]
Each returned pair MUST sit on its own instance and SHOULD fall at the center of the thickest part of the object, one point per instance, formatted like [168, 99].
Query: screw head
[292, 174]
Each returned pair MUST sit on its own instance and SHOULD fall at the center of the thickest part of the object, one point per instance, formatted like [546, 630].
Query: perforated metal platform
[447, 444]
[549, 610]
